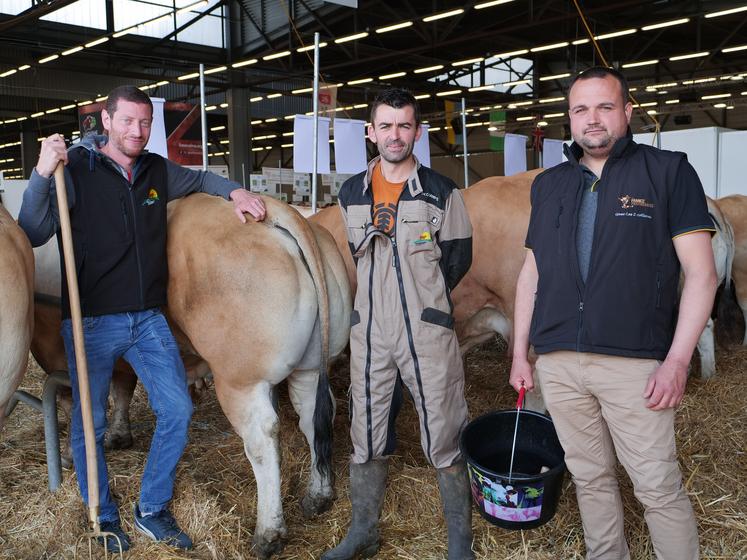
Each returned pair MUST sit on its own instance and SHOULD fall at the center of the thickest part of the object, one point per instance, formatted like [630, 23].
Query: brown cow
[734, 207]
[16, 303]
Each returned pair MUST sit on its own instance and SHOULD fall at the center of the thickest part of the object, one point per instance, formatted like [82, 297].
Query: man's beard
[599, 143]
[402, 156]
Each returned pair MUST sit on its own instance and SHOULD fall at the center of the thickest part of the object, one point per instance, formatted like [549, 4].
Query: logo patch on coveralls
[152, 197]
[425, 237]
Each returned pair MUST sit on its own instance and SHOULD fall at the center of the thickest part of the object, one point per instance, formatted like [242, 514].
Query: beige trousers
[597, 406]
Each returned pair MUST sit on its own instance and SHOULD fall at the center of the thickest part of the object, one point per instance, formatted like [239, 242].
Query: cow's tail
[282, 216]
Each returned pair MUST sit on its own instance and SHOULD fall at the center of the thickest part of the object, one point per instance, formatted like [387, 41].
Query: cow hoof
[311, 506]
[118, 441]
[269, 543]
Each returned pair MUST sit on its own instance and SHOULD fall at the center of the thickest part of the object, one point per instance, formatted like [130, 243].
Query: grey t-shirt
[587, 215]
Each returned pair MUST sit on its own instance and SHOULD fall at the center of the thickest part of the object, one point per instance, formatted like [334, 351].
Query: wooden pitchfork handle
[80, 359]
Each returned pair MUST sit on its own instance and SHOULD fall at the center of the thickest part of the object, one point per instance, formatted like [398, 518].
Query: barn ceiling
[516, 54]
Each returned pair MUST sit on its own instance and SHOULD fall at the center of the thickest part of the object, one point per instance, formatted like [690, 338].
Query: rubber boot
[455, 496]
[367, 485]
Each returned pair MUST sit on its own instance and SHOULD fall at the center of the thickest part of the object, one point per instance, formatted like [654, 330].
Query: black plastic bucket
[530, 498]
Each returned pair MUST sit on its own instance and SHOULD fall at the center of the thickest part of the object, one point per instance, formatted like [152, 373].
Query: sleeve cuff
[694, 229]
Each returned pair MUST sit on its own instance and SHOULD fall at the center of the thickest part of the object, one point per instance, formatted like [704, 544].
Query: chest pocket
[419, 229]
[358, 219]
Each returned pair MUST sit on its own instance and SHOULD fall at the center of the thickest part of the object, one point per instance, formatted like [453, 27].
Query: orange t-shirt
[385, 196]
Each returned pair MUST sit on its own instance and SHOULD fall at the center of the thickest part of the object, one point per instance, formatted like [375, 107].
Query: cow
[499, 209]
[723, 253]
[259, 303]
[734, 208]
[17, 305]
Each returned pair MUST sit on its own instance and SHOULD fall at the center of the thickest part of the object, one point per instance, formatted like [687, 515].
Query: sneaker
[162, 527]
[112, 544]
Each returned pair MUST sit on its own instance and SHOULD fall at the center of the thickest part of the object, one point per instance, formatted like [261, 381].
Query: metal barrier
[48, 406]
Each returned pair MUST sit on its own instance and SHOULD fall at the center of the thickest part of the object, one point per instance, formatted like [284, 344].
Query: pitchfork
[95, 531]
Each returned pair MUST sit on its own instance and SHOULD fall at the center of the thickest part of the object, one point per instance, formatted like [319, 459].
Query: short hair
[126, 93]
[603, 72]
[396, 98]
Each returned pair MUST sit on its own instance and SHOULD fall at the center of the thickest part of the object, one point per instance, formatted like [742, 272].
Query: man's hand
[666, 386]
[53, 151]
[521, 374]
[244, 201]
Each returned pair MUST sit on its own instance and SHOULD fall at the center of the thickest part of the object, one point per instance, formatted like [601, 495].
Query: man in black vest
[597, 297]
[117, 195]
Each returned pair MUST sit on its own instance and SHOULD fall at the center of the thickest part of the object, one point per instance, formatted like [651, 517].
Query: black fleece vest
[628, 305]
[119, 235]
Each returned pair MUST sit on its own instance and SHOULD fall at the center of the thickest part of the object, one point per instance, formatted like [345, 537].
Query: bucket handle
[520, 400]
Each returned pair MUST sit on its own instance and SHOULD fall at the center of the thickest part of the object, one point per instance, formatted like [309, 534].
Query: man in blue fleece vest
[597, 297]
[117, 193]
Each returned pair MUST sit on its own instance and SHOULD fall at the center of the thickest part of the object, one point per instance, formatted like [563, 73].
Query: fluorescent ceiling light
[188, 76]
[482, 88]
[716, 96]
[491, 4]
[555, 77]
[217, 128]
[468, 61]
[552, 100]
[125, 31]
[352, 37]
[302, 90]
[274, 95]
[24, 67]
[216, 69]
[550, 47]
[516, 83]
[394, 27]
[360, 81]
[508, 54]
[311, 47]
[428, 69]
[8, 73]
[726, 12]
[671, 101]
[528, 118]
[244, 63]
[734, 49]
[616, 34]
[641, 63]
[96, 42]
[690, 55]
[450, 92]
[255, 99]
[49, 58]
[427, 95]
[553, 115]
[273, 56]
[664, 24]
[72, 51]
[443, 15]
[390, 76]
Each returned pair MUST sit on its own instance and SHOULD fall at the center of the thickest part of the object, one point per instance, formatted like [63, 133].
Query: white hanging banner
[303, 134]
[350, 145]
[422, 148]
[515, 154]
[552, 152]
[157, 142]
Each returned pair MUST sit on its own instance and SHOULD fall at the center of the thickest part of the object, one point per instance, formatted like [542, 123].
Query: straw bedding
[216, 497]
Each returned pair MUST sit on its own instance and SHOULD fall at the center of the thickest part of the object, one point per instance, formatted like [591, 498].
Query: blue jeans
[145, 341]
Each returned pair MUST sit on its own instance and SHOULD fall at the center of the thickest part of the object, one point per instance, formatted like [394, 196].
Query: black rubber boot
[455, 496]
[367, 485]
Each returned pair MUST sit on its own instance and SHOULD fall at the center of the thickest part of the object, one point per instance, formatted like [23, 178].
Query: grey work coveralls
[402, 317]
